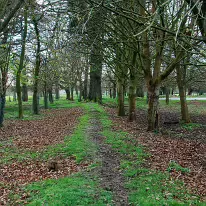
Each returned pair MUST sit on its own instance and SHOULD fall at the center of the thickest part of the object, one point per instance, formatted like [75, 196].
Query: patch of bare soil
[187, 152]
[37, 134]
[110, 173]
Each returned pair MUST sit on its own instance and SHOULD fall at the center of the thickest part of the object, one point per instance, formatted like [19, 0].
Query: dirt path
[109, 172]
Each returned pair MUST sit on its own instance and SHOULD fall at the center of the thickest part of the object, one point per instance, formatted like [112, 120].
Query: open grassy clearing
[76, 182]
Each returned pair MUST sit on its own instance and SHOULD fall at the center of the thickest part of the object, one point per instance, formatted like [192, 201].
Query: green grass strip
[74, 190]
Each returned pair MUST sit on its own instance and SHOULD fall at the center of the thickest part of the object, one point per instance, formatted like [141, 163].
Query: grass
[78, 189]
[191, 126]
[175, 166]
[77, 145]
[145, 187]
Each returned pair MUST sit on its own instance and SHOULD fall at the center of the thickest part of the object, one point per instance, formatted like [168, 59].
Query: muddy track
[110, 173]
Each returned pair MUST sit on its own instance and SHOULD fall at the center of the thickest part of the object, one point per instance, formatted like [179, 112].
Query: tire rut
[110, 173]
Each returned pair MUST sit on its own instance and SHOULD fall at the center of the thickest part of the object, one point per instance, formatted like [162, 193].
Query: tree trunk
[139, 91]
[68, 97]
[76, 91]
[132, 89]
[36, 70]
[132, 101]
[80, 90]
[110, 92]
[85, 92]
[120, 96]
[181, 75]
[51, 99]
[57, 95]
[95, 91]
[46, 106]
[167, 95]
[14, 95]
[72, 94]
[25, 97]
[114, 92]
[2, 106]
[21, 66]
[190, 90]
[19, 96]
[153, 107]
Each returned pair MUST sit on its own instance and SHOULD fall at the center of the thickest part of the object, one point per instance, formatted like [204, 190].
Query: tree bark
[95, 91]
[85, 92]
[72, 93]
[167, 95]
[25, 97]
[67, 90]
[51, 99]
[2, 106]
[139, 91]
[132, 89]
[153, 107]
[114, 91]
[57, 95]
[4, 66]
[181, 75]
[36, 70]
[46, 106]
[110, 93]
[21, 66]
[120, 96]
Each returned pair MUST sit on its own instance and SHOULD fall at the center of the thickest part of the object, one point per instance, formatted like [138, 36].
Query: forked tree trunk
[153, 107]
[120, 96]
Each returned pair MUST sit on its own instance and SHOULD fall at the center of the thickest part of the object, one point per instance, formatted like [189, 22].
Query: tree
[35, 104]
[21, 65]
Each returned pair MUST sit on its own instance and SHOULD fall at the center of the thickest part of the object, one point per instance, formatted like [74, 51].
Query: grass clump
[77, 189]
[191, 126]
[175, 166]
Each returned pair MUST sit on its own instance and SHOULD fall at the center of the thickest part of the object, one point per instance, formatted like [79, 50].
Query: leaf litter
[176, 144]
[34, 136]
